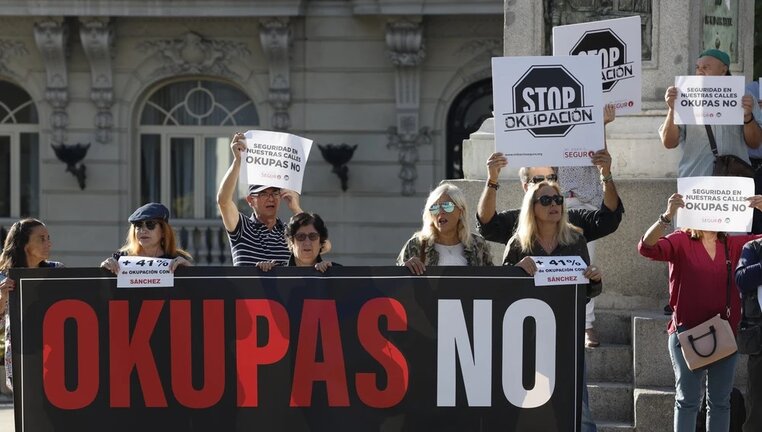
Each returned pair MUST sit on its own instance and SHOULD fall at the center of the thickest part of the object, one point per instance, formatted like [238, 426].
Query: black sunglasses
[149, 224]
[539, 178]
[545, 200]
[313, 236]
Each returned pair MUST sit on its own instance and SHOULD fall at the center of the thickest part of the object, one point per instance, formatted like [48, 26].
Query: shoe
[591, 338]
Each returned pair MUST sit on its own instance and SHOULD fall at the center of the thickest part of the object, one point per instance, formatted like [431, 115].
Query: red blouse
[697, 283]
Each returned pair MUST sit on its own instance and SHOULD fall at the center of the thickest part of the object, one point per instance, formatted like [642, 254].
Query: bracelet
[750, 120]
[495, 186]
[608, 178]
[663, 220]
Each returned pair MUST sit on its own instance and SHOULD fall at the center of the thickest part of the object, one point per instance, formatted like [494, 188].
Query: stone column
[275, 36]
[51, 36]
[404, 39]
[97, 36]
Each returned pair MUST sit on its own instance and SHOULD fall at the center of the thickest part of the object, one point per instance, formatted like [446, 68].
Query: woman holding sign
[26, 246]
[445, 238]
[544, 230]
[150, 235]
[700, 264]
[307, 239]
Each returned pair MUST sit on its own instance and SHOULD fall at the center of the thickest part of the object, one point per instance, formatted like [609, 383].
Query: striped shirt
[252, 242]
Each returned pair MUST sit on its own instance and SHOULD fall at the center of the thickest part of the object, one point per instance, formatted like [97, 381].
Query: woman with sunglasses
[150, 235]
[445, 239]
[307, 238]
[27, 245]
[544, 230]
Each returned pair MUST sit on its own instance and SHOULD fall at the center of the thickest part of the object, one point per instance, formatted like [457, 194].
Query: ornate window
[185, 130]
[19, 153]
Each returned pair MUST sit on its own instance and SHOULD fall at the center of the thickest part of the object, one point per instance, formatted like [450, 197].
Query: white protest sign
[709, 100]
[275, 159]
[548, 110]
[617, 43]
[142, 272]
[715, 203]
[559, 270]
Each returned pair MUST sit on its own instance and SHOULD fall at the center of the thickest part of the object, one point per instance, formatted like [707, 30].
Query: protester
[27, 245]
[697, 158]
[500, 227]
[749, 278]
[445, 239]
[307, 239]
[544, 230]
[150, 235]
[260, 237]
[755, 156]
[581, 188]
[698, 278]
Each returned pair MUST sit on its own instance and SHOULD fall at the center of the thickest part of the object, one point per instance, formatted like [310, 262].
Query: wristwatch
[495, 186]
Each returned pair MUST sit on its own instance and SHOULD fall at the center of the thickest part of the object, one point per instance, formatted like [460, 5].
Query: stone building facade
[152, 92]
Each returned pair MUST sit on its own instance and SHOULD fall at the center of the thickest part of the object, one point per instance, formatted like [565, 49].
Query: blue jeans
[719, 383]
[588, 425]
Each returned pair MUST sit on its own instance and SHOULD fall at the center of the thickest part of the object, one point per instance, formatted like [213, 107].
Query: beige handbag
[713, 339]
[708, 342]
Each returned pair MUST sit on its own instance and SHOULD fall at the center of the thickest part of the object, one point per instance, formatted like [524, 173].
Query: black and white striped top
[251, 242]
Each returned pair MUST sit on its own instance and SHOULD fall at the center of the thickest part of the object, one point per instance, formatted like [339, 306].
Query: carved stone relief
[8, 50]
[194, 54]
[562, 12]
[275, 37]
[97, 35]
[404, 39]
[51, 36]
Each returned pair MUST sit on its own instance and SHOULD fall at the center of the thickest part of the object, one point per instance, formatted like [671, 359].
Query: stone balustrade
[205, 240]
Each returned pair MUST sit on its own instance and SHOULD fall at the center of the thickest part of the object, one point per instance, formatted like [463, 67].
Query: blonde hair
[132, 247]
[527, 230]
[429, 232]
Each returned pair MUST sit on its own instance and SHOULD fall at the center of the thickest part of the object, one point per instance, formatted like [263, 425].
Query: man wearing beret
[697, 158]
[261, 236]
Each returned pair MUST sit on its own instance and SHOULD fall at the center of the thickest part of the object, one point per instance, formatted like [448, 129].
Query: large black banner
[357, 349]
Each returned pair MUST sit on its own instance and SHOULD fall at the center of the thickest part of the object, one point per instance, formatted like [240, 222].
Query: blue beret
[148, 212]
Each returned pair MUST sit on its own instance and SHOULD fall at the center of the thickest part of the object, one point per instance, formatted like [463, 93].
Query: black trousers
[754, 395]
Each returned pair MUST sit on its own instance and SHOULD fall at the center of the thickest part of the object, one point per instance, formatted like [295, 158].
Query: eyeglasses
[540, 178]
[313, 236]
[546, 200]
[149, 225]
[275, 194]
[447, 206]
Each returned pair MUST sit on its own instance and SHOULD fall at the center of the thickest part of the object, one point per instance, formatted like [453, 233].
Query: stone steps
[609, 363]
[609, 372]
[611, 402]
[615, 427]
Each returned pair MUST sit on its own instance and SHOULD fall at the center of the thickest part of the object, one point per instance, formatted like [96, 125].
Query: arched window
[19, 153]
[184, 132]
[468, 111]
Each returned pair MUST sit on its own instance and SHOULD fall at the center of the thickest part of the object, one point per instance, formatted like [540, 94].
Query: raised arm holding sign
[259, 237]
[731, 140]
[548, 110]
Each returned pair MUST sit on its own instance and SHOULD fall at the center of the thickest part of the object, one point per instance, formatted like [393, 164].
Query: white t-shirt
[451, 255]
